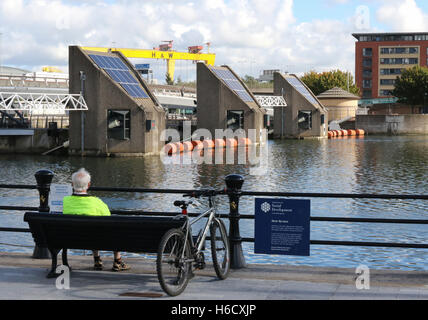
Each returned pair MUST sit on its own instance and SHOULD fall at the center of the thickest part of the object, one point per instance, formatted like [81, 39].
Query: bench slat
[124, 233]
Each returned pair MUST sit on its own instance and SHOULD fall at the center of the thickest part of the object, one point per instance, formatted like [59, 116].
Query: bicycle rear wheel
[172, 266]
[220, 249]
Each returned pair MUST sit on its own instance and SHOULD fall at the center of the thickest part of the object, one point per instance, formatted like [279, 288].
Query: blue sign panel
[282, 226]
[142, 66]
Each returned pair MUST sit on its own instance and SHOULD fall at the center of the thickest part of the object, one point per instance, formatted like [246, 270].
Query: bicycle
[179, 253]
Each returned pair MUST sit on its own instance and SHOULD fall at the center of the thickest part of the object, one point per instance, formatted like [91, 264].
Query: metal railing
[234, 192]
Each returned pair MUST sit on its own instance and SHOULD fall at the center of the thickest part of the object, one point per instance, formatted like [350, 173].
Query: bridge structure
[30, 101]
[33, 101]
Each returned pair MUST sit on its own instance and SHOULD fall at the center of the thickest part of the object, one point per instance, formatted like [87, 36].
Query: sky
[248, 35]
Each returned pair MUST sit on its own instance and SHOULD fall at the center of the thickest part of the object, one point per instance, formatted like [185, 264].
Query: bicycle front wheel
[173, 262]
[220, 249]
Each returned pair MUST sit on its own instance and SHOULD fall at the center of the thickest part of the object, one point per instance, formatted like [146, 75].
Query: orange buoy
[170, 148]
[344, 133]
[180, 147]
[360, 132]
[188, 146]
[333, 133]
[339, 133]
[352, 133]
[244, 142]
[197, 145]
[231, 143]
[208, 144]
[219, 143]
[330, 134]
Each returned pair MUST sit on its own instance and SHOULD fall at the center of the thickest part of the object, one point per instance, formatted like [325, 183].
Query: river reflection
[374, 164]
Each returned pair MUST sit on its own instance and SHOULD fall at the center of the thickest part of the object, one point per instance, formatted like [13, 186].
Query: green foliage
[321, 82]
[168, 79]
[253, 83]
[191, 84]
[412, 86]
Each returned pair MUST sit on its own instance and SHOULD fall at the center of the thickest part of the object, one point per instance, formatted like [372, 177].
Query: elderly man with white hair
[80, 203]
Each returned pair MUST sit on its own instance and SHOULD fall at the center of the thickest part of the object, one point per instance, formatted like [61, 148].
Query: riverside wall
[393, 124]
[32, 144]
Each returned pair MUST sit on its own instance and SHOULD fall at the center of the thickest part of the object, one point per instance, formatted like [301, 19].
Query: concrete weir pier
[24, 278]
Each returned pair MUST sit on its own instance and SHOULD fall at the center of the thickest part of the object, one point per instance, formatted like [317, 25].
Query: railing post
[43, 178]
[234, 184]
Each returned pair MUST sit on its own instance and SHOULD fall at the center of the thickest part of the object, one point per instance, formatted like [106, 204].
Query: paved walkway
[24, 278]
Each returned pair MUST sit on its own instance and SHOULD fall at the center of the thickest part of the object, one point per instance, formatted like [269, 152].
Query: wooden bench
[138, 234]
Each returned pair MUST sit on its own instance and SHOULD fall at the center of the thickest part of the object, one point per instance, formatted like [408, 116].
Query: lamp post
[234, 184]
[43, 178]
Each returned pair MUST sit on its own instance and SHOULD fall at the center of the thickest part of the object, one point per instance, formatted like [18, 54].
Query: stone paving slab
[23, 278]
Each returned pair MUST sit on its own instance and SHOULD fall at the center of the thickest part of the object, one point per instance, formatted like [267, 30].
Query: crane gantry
[165, 52]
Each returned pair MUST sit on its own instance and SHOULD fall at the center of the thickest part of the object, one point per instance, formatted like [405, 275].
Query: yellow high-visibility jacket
[86, 205]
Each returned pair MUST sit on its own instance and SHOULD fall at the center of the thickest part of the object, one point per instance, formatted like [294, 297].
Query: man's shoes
[98, 264]
[119, 265]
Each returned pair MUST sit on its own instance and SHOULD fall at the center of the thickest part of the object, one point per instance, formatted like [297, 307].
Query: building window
[235, 120]
[367, 52]
[395, 37]
[399, 61]
[367, 84]
[367, 73]
[400, 50]
[386, 72]
[367, 63]
[385, 92]
[387, 82]
[119, 124]
[305, 120]
[367, 94]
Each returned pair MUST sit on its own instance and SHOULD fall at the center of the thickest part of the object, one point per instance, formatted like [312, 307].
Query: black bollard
[234, 184]
[43, 178]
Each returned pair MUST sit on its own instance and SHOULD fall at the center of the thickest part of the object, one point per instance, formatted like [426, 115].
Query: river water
[374, 164]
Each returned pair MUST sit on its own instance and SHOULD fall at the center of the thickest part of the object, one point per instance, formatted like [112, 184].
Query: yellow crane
[165, 54]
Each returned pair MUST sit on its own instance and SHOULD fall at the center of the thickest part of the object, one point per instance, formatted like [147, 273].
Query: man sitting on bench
[81, 203]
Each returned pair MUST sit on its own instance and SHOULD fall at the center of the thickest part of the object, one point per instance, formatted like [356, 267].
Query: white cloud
[250, 35]
[403, 15]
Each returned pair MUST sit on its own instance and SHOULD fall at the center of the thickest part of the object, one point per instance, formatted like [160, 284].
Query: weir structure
[304, 116]
[123, 118]
[225, 102]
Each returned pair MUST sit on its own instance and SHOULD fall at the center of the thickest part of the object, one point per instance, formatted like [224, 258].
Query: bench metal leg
[65, 259]
[52, 273]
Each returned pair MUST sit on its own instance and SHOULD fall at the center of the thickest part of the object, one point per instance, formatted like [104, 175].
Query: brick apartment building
[381, 57]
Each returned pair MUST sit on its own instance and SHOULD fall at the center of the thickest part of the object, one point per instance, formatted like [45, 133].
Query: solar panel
[233, 83]
[120, 73]
[302, 89]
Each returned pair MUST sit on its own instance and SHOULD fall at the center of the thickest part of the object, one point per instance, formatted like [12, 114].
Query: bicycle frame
[211, 212]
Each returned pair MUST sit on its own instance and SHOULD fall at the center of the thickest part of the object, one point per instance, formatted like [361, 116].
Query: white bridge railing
[37, 103]
[271, 101]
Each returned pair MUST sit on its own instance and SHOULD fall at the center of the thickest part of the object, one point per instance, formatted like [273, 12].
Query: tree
[321, 82]
[253, 83]
[412, 86]
[168, 79]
